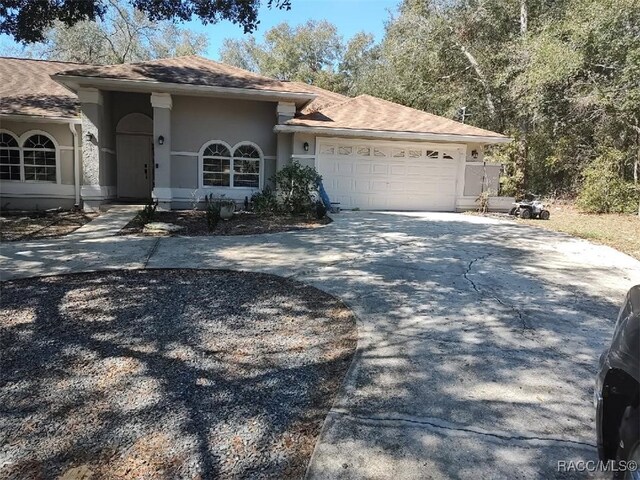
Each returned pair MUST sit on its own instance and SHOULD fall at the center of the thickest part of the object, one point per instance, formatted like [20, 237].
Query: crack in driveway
[445, 425]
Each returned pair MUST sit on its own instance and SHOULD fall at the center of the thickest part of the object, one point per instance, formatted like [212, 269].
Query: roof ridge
[439, 117]
[9, 57]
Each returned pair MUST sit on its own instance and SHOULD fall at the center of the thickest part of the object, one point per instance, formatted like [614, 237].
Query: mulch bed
[167, 374]
[35, 225]
[242, 223]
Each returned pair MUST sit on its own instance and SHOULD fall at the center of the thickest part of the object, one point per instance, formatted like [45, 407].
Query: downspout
[76, 163]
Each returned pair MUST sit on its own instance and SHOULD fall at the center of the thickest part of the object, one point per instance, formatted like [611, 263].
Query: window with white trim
[39, 158]
[223, 166]
[9, 157]
[246, 166]
[216, 166]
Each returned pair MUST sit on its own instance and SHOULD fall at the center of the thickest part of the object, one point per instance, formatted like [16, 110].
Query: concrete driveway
[478, 338]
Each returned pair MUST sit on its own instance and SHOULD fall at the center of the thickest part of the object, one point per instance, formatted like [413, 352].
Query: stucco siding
[269, 172]
[197, 120]
[299, 140]
[184, 171]
[474, 175]
[59, 131]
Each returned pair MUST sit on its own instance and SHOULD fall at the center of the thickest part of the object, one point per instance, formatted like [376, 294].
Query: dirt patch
[194, 223]
[36, 225]
[619, 231]
[167, 374]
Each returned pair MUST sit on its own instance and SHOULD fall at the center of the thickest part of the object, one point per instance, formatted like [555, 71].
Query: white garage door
[388, 176]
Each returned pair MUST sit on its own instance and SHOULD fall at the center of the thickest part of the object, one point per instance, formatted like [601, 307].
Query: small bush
[297, 185]
[483, 201]
[148, 211]
[604, 190]
[265, 202]
[212, 211]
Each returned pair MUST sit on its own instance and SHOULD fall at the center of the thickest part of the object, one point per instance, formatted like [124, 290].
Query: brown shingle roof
[189, 70]
[27, 89]
[324, 99]
[370, 113]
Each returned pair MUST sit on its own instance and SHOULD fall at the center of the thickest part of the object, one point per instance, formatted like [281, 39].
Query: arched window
[9, 157]
[39, 153]
[246, 166]
[216, 165]
[223, 166]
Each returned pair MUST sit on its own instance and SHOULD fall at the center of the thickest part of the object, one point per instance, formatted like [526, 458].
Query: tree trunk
[481, 77]
[524, 17]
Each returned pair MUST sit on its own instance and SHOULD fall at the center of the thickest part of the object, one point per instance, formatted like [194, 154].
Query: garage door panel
[387, 183]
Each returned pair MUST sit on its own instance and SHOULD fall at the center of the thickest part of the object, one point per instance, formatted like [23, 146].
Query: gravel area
[166, 374]
[194, 223]
[33, 225]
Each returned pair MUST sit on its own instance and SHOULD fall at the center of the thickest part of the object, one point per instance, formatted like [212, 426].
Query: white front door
[134, 166]
[374, 175]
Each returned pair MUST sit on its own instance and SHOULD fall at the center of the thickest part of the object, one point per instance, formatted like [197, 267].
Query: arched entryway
[134, 150]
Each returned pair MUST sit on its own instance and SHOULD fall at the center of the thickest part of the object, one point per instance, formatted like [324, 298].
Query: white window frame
[19, 150]
[260, 161]
[232, 151]
[23, 138]
[201, 163]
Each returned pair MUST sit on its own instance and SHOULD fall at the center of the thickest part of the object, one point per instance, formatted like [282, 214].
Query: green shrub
[212, 211]
[148, 211]
[265, 202]
[321, 210]
[296, 185]
[604, 190]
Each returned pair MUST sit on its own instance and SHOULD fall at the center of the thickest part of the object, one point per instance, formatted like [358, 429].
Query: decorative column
[93, 191]
[161, 103]
[285, 111]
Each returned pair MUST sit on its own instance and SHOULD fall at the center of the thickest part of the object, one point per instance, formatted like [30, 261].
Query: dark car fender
[618, 380]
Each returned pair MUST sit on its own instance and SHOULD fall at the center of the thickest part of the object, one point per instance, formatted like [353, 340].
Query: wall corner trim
[161, 100]
[90, 95]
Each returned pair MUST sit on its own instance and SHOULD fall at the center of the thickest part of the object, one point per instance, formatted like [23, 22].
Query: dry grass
[35, 225]
[621, 232]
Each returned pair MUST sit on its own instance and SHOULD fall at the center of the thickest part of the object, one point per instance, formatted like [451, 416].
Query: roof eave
[25, 117]
[391, 134]
[74, 83]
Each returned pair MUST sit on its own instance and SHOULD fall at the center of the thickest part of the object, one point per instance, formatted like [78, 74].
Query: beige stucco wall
[184, 171]
[298, 143]
[198, 120]
[478, 148]
[473, 176]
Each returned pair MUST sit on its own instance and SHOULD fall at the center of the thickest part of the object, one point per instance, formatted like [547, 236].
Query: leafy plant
[148, 211]
[265, 202]
[321, 210]
[212, 211]
[604, 190]
[297, 186]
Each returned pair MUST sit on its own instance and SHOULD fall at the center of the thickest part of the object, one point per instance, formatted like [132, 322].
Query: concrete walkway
[478, 338]
[107, 224]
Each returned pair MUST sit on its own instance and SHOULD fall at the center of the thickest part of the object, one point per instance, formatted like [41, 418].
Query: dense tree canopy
[27, 21]
[562, 77]
[123, 35]
[312, 53]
